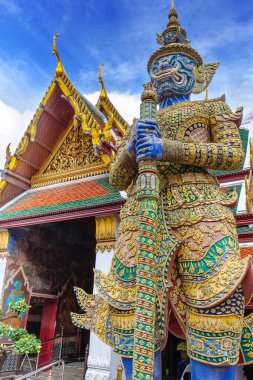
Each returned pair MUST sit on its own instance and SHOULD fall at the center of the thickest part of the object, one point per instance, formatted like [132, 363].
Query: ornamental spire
[100, 79]
[174, 40]
[173, 33]
[59, 68]
[173, 15]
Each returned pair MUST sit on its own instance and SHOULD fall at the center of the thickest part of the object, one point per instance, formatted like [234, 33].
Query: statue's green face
[173, 75]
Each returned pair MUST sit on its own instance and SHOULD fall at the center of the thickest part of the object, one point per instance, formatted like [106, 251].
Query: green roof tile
[110, 195]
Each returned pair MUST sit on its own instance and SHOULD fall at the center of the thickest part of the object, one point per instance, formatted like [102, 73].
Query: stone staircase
[74, 371]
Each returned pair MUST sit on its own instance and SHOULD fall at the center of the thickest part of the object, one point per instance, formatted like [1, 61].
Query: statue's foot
[200, 371]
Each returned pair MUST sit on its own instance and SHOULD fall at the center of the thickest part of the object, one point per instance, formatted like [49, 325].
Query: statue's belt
[181, 179]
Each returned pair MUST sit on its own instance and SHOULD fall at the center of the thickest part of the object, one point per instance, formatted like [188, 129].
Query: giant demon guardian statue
[177, 265]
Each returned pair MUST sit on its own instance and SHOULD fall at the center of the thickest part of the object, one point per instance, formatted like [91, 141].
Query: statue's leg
[200, 371]
[212, 272]
[128, 367]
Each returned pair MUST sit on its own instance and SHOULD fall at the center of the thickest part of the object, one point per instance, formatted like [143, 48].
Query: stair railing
[52, 371]
[50, 351]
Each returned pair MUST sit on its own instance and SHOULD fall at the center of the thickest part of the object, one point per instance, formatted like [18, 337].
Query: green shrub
[24, 343]
[28, 344]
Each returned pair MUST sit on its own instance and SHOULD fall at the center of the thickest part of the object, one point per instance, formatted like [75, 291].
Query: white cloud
[249, 116]
[127, 104]
[17, 86]
[12, 127]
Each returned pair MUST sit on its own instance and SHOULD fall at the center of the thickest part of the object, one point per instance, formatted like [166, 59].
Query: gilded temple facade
[59, 215]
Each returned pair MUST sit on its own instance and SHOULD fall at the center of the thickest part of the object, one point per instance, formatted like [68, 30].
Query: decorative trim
[234, 176]
[98, 368]
[64, 176]
[4, 240]
[93, 375]
[245, 237]
[26, 282]
[105, 233]
[244, 219]
[98, 362]
[113, 207]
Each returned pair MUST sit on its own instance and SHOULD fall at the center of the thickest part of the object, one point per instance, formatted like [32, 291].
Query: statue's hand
[149, 145]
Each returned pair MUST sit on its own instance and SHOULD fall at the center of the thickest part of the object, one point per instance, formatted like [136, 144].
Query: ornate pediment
[75, 153]
[73, 157]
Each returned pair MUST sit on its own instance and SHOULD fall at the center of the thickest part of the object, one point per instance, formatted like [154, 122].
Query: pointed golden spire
[173, 16]
[59, 67]
[100, 79]
[173, 33]
[8, 156]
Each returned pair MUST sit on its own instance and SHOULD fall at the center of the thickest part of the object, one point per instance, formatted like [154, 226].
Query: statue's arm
[224, 152]
[125, 167]
[123, 170]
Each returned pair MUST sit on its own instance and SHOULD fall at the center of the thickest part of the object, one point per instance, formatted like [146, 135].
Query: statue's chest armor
[188, 121]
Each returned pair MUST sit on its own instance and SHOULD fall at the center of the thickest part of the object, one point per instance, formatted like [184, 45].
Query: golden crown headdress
[174, 41]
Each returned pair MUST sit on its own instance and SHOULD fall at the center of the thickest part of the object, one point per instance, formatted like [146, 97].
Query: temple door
[47, 329]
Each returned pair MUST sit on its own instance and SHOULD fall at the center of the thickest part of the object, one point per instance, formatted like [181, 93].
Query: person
[203, 285]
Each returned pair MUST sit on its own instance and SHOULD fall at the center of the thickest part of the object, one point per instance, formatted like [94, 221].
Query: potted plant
[22, 342]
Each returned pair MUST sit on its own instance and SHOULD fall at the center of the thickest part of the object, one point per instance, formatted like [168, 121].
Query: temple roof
[62, 111]
[105, 105]
[246, 252]
[66, 200]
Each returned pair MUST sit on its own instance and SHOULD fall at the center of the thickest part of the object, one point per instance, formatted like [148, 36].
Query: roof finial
[173, 16]
[8, 156]
[59, 68]
[100, 79]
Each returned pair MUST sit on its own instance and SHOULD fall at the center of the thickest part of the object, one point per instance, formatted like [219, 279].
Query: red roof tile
[60, 194]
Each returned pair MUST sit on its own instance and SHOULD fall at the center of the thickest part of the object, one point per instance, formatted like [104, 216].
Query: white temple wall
[4, 240]
[2, 271]
[102, 362]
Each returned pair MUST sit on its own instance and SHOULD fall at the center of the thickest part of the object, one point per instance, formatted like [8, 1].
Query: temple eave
[72, 199]
[71, 214]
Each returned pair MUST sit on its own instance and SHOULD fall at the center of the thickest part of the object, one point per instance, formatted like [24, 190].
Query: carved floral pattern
[75, 153]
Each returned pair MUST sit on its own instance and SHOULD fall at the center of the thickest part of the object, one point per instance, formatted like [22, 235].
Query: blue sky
[120, 34]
